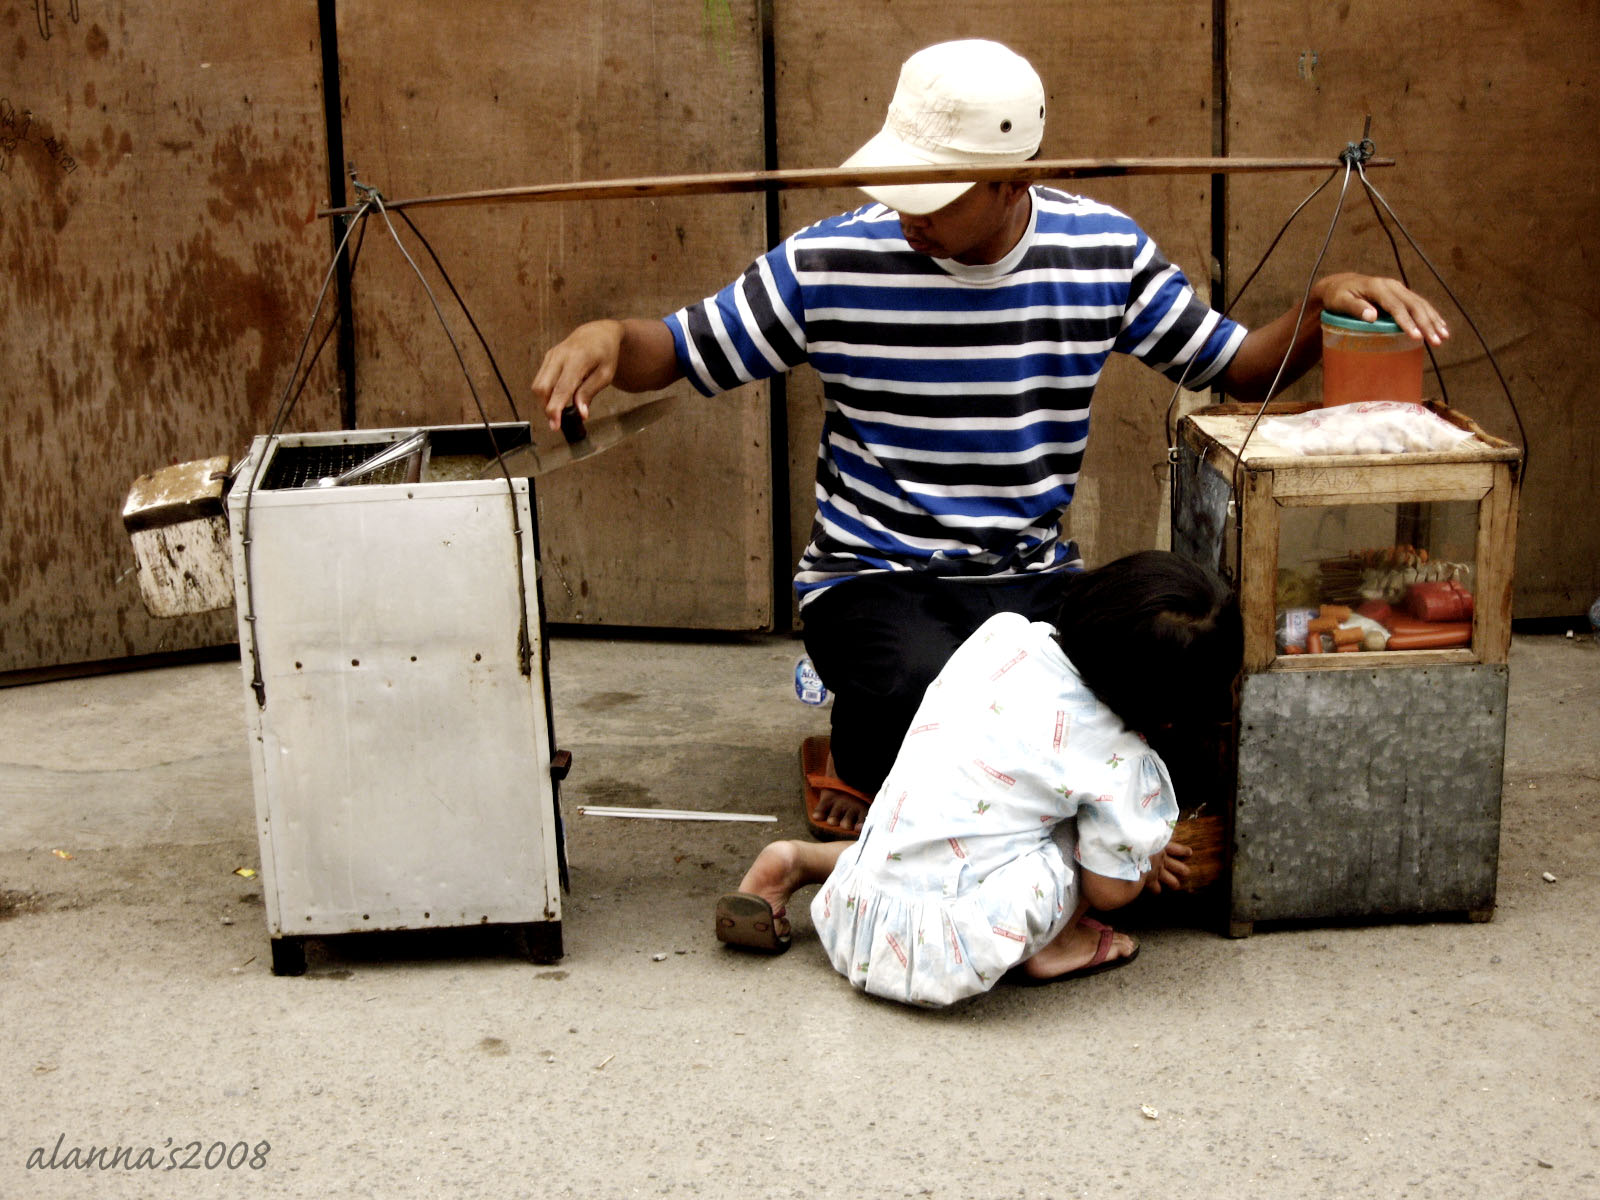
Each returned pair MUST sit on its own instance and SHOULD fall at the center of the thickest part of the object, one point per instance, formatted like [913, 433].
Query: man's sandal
[815, 778]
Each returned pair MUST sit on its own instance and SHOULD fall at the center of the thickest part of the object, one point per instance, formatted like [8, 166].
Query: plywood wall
[159, 168]
[1493, 114]
[673, 529]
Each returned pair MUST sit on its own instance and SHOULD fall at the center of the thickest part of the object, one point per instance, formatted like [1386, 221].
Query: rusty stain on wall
[248, 177]
[156, 279]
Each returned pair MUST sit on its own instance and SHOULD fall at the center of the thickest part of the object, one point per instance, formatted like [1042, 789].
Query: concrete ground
[1418, 1059]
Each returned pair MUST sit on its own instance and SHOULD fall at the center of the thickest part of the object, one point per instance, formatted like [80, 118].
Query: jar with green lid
[1369, 360]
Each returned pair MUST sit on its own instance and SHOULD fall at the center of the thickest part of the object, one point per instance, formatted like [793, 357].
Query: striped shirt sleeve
[1168, 327]
[751, 329]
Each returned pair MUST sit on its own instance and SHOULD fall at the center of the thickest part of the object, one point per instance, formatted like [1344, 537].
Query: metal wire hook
[1358, 154]
[366, 191]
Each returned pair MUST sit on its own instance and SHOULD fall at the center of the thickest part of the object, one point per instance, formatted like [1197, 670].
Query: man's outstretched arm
[635, 354]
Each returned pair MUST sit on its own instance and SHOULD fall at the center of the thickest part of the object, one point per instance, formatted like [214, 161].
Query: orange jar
[1368, 360]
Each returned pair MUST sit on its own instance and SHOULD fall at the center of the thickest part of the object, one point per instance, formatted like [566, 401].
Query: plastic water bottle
[808, 685]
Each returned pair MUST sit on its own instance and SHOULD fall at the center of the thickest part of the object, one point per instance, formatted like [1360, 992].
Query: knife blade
[550, 450]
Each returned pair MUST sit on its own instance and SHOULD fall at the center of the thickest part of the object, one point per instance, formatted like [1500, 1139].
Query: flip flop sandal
[747, 921]
[814, 775]
[1098, 963]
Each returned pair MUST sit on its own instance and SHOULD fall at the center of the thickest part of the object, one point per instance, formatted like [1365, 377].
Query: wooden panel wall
[674, 528]
[159, 167]
[1131, 79]
[1492, 111]
[160, 164]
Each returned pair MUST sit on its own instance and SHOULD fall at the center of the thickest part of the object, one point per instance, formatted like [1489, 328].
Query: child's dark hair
[1156, 637]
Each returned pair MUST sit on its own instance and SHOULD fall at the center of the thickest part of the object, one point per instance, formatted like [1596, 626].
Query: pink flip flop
[1098, 963]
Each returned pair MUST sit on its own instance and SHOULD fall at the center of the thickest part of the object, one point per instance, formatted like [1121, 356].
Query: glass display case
[1363, 578]
[1403, 554]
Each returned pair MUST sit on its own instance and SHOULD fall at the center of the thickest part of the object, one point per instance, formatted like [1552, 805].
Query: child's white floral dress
[1011, 773]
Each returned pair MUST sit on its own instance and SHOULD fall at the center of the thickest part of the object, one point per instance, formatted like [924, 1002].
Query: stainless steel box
[397, 693]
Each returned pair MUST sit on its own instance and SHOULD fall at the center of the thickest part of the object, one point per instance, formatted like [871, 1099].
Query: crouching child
[1024, 796]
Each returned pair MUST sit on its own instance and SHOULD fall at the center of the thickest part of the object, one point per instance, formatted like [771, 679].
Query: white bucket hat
[957, 103]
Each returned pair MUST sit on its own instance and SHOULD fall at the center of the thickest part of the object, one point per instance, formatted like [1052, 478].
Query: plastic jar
[1368, 360]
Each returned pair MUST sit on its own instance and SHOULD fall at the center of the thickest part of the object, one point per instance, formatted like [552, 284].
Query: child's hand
[1168, 867]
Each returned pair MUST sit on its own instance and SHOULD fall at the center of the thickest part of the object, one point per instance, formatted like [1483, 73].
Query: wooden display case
[1366, 781]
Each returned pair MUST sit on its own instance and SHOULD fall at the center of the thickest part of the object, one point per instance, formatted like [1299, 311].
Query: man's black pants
[878, 641]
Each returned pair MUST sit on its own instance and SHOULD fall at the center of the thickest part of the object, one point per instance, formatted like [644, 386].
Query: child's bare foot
[756, 916]
[774, 875]
[1082, 947]
[785, 866]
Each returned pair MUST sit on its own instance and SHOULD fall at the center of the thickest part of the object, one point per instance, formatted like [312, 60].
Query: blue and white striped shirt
[956, 398]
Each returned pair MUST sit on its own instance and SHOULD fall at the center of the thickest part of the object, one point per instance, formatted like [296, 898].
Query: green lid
[1382, 325]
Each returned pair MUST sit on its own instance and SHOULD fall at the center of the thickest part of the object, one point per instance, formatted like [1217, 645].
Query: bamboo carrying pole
[841, 177]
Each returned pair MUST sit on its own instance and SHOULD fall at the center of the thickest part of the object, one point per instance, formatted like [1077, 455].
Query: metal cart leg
[538, 941]
[288, 956]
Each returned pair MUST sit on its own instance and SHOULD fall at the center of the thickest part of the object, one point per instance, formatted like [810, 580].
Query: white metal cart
[390, 631]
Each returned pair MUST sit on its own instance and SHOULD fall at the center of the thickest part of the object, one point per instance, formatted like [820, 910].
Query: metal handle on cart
[560, 764]
[395, 453]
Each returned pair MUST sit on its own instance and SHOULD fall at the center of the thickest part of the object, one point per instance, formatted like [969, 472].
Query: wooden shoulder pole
[841, 177]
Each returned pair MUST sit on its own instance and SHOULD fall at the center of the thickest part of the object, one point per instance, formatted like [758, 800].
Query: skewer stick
[841, 177]
[670, 814]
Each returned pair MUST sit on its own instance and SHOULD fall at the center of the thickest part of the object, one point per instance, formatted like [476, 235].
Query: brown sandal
[749, 922]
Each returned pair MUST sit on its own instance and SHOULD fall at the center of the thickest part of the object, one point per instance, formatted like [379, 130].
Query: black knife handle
[572, 426]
